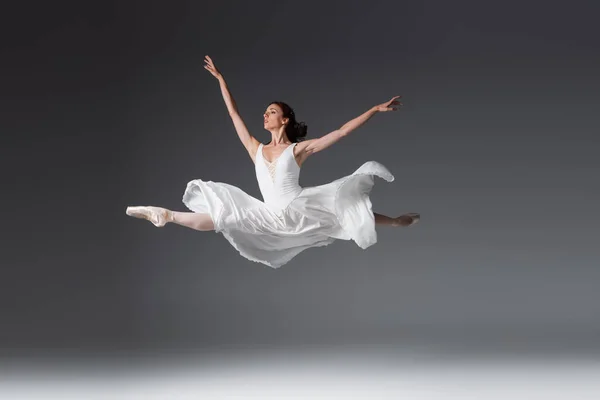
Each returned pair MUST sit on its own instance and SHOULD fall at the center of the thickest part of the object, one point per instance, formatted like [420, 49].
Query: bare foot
[157, 215]
[407, 219]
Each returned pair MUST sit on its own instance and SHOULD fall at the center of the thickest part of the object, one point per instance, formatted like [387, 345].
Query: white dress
[291, 218]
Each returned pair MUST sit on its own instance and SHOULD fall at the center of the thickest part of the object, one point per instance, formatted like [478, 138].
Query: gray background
[107, 105]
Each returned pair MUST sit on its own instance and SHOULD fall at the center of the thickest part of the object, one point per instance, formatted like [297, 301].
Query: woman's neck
[276, 141]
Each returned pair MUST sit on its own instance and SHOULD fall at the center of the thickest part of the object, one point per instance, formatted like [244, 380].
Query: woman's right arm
[249, 142]
[227, 97]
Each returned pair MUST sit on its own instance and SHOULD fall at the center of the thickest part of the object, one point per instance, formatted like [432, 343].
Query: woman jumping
[291, 218]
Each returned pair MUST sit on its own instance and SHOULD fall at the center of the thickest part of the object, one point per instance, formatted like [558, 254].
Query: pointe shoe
[408, 219]
[157, 215]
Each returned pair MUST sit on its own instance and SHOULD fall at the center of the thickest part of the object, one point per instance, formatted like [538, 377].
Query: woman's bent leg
[403, 220]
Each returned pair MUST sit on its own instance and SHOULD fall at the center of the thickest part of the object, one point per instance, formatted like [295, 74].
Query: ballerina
[290, 218]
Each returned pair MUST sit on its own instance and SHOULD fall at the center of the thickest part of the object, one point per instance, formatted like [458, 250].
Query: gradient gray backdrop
[106, 104]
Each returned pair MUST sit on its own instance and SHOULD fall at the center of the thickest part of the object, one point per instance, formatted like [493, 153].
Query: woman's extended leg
[197, 221]
[403, 220]
[160, 216]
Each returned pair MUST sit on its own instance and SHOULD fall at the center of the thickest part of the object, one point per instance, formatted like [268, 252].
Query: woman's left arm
[315, 145]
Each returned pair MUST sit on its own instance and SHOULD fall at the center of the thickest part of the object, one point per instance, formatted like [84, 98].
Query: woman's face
[273, 117]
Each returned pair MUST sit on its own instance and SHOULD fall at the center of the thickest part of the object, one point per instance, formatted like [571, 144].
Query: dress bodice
[278, 180]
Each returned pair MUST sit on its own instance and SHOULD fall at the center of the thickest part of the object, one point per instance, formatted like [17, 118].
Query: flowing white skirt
[317, 217]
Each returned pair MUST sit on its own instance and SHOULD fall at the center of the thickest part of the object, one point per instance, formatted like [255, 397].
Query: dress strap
[259, 151]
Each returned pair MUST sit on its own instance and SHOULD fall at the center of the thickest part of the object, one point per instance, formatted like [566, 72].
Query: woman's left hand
[388, 105]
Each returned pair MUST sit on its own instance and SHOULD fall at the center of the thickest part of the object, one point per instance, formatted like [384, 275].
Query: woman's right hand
[210, 67]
